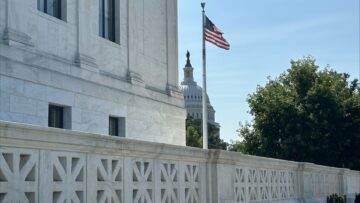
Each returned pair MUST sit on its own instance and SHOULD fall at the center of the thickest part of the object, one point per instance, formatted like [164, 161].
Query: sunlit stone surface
[45, 60]
[44, 165]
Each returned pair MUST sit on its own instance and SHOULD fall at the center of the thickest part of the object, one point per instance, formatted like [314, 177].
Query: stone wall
[52, 165]
[45, 60]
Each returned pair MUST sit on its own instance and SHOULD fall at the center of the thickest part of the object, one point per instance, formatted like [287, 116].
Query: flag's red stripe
[218, 34]
[217, 44]
[220, 39]
[217, 40]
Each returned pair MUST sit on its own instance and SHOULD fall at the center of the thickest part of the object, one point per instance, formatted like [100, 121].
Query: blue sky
[264, 36]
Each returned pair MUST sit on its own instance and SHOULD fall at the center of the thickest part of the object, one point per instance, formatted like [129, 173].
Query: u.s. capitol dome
[193, 95]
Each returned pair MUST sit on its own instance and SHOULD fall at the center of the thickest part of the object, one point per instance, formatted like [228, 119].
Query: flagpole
[204, 97]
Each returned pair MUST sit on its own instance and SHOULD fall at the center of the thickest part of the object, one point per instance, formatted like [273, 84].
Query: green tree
[194, 135]
[193, 138]
[305, 114]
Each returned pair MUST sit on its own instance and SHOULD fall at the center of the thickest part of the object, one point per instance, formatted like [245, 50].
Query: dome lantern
[188, 72]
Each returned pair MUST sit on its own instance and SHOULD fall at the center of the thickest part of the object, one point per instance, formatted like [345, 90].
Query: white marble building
[98, 66]
[193, 95]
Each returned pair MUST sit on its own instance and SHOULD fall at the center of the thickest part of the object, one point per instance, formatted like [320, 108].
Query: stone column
[220, 179]
[172, 47]
[16, 16]
[301, 182]
[135, 40]
[345, 187]
[84, 20]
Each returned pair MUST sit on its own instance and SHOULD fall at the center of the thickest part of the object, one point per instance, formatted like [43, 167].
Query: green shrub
[335, 198]
[357, 198]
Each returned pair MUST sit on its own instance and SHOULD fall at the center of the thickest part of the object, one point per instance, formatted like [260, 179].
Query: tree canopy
[305, 114]
[194, 135]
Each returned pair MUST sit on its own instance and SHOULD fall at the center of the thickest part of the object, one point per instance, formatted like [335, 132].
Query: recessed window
[117, 126]
[54, 8]
[108, 15]
[56, 116]
[113, 126]
[59, 116]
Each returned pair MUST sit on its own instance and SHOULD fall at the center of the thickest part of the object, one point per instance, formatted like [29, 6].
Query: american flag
[214, 35]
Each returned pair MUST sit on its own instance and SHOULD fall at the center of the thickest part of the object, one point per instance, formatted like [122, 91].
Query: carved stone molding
[174, 91]
[68, 170]
[19, 175]
[254, 184]
[82, 59]
[169, 179]
[109, 178]
[192, 183]
[135, 78]
[11, 35]
[142, 181]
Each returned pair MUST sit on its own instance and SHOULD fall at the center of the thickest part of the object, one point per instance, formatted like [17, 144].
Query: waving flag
[214, 35]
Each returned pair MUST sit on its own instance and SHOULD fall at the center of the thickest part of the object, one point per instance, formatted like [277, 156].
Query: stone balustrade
[45, 165]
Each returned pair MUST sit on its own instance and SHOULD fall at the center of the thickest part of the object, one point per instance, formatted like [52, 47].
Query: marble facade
[45, 60]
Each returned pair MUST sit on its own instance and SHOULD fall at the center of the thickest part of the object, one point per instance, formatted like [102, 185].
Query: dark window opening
[56, 116]
[113, 126]
[51, 7]
[107, 19]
